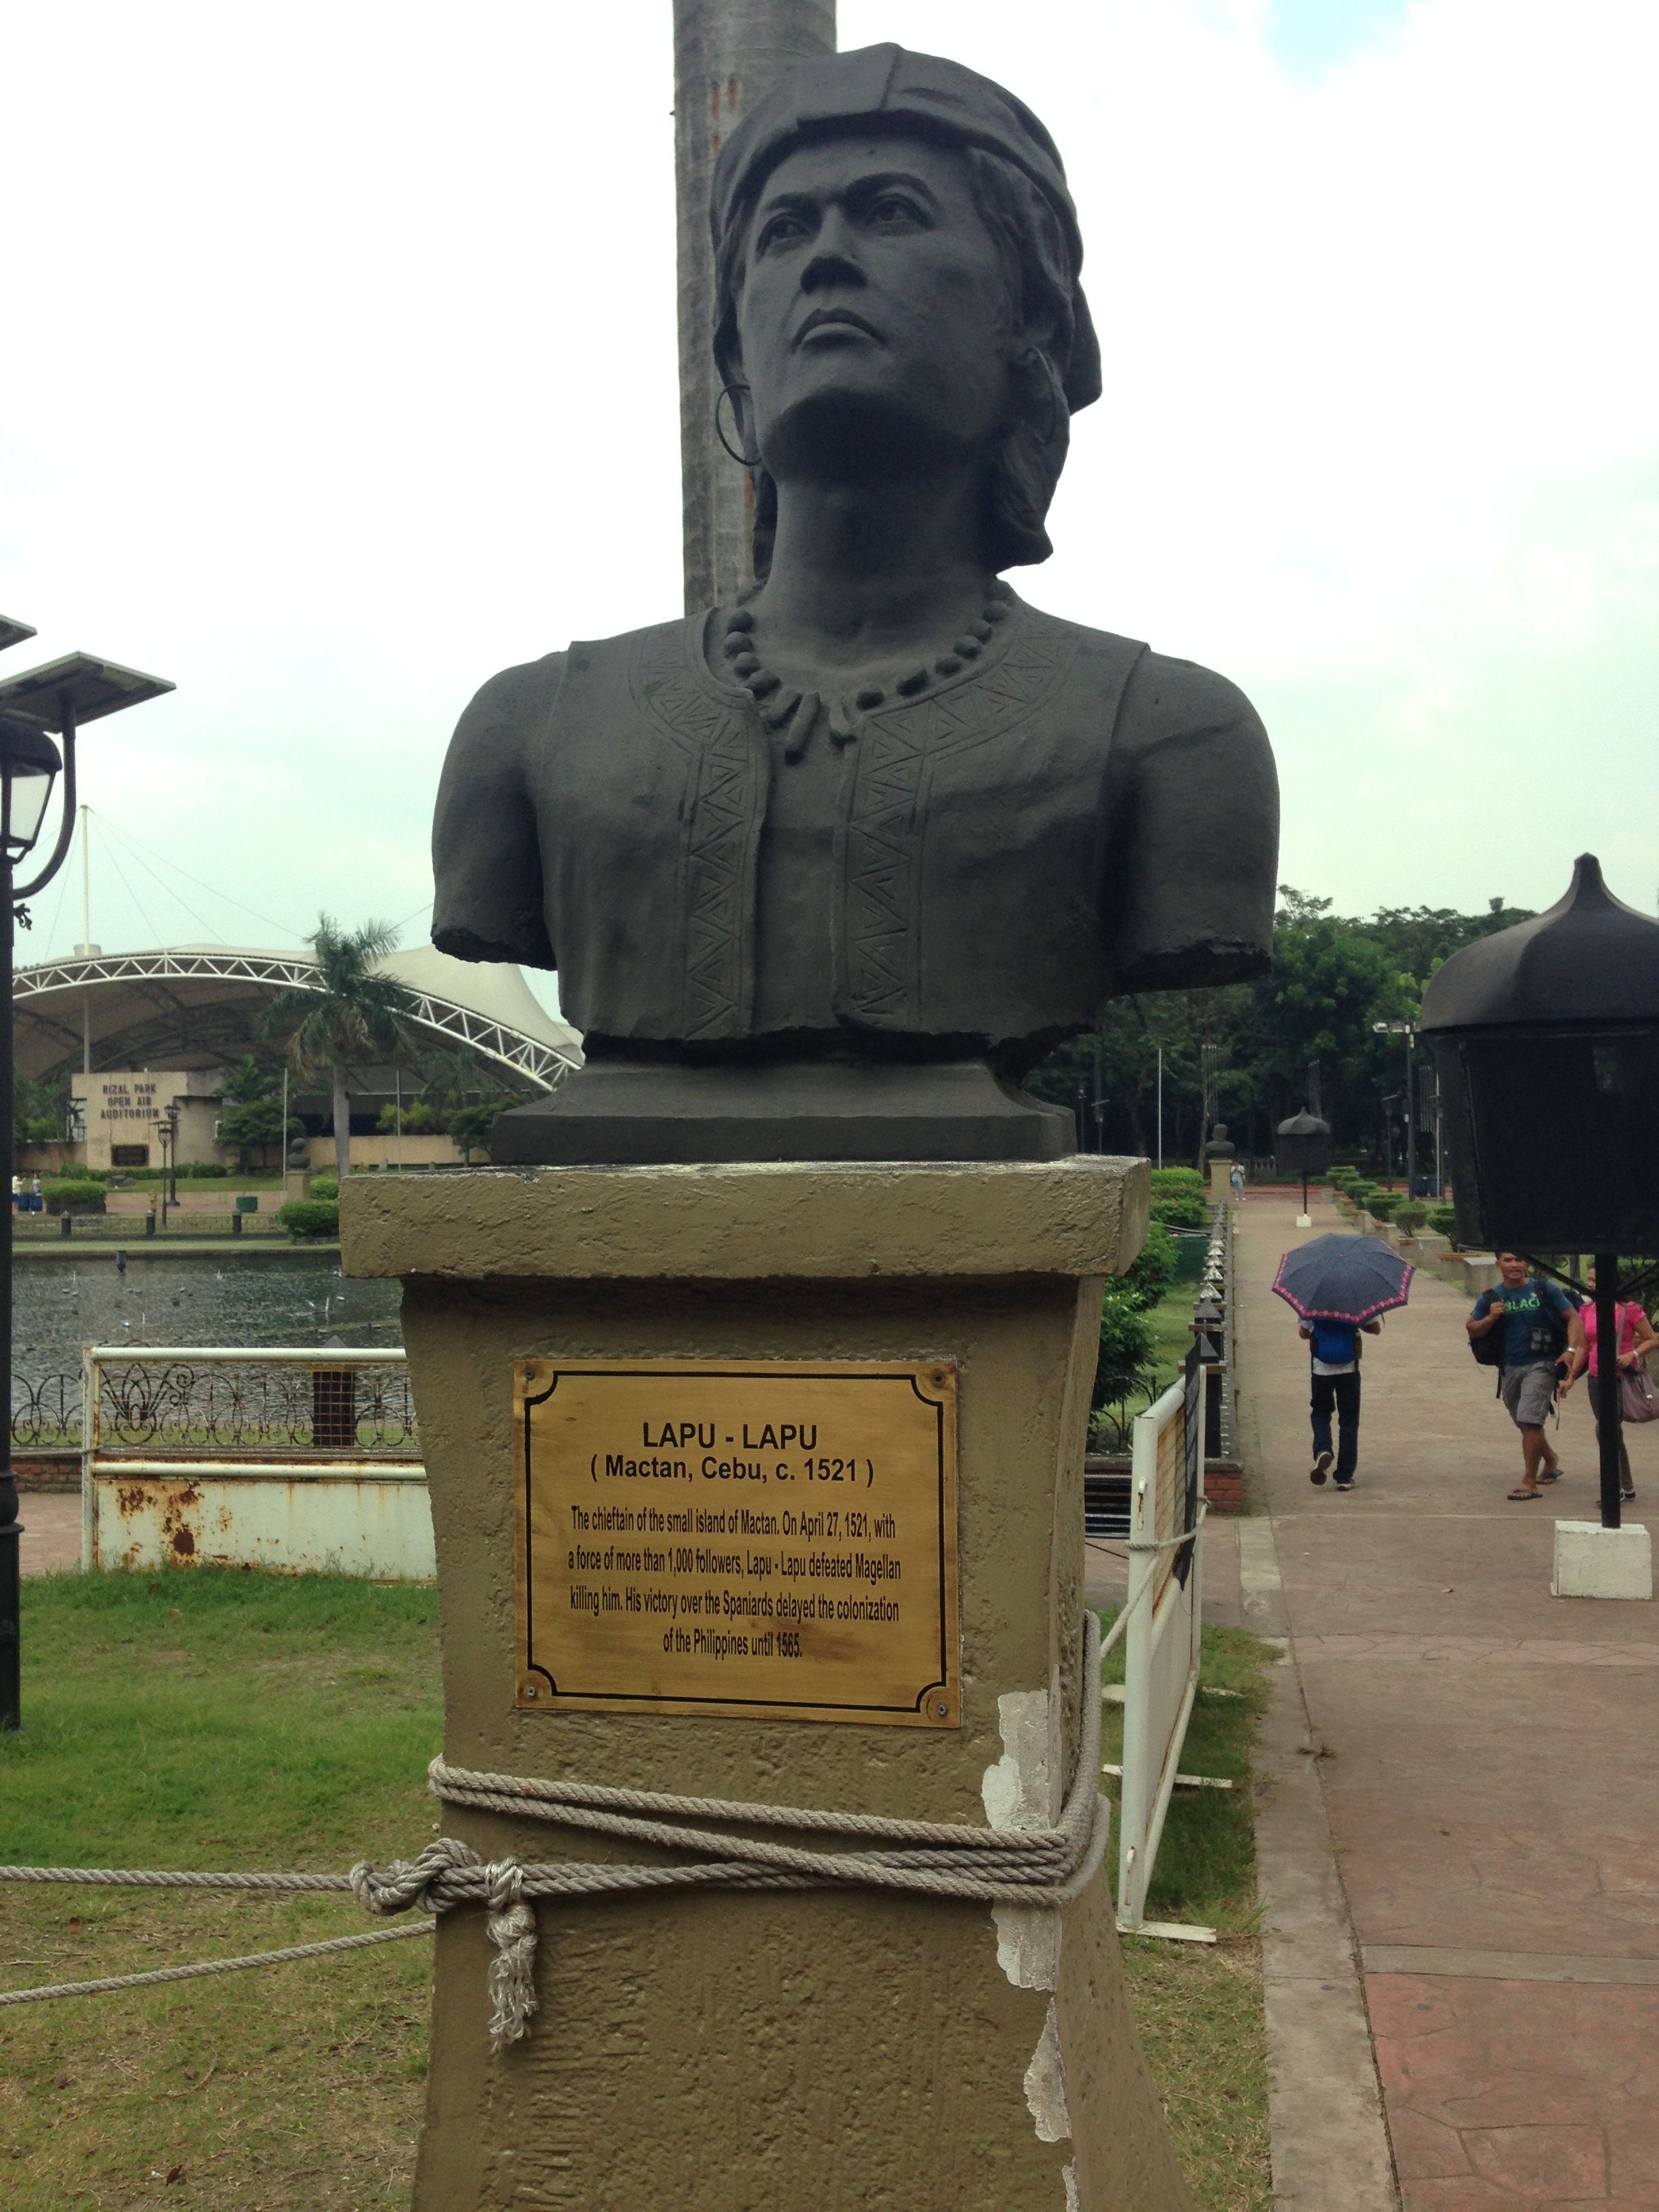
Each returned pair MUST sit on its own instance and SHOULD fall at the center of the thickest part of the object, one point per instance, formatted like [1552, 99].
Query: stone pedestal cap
[1081, 1217]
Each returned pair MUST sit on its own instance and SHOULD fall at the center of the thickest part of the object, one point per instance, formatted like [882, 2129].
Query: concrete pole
[726, 54]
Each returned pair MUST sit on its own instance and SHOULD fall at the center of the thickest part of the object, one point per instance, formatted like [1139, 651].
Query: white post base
[1305, 1221]
[1170, 1931]
[1591, 1561]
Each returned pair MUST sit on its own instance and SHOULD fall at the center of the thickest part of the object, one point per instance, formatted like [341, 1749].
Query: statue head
[898, 260]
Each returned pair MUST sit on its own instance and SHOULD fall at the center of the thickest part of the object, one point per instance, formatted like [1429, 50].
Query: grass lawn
[1199, 2008]
[219, 1719]
[1172, 1329]
[216, 1719]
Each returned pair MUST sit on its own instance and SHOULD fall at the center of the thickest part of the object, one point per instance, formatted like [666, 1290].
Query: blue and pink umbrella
[1337, 1278]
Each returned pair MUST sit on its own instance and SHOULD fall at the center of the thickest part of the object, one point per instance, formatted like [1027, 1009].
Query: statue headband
[939, 100]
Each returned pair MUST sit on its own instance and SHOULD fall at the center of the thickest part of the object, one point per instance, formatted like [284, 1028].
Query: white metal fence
[1161, 1624]
[302, 1460]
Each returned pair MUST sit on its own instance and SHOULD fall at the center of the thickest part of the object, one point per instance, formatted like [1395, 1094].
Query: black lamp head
[1547, 1041]
[1302, 1145]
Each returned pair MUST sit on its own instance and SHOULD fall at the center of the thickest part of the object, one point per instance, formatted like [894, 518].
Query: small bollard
[149, 1224]
[235, 1224]
[66, 1221]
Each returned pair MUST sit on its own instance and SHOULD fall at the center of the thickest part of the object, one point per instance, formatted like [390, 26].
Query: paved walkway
[1490, 1773]
[51, 1531]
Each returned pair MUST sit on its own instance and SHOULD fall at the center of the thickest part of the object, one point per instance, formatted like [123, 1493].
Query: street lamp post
[57, 697]
[1408, 1030]
[163, 1133]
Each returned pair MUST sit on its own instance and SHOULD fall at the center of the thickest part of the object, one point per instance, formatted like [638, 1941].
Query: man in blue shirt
[1541, 1330]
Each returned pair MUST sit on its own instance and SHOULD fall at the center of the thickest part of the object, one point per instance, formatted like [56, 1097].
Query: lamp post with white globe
[56, 697]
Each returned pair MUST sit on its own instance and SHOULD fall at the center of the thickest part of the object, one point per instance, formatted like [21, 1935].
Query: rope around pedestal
[1041, 1867]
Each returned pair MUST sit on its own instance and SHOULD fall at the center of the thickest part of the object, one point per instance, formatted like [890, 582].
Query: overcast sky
[339, 371]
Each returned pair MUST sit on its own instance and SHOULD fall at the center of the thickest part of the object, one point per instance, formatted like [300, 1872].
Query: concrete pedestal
[845, 2051]
[1591, 1561]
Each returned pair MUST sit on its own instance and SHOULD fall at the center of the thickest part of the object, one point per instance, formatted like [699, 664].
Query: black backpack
[1488, 1349]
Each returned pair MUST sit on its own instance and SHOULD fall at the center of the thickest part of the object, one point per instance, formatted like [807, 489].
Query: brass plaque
[767, 1539]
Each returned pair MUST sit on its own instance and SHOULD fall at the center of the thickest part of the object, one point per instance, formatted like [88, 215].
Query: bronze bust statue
[824, 872]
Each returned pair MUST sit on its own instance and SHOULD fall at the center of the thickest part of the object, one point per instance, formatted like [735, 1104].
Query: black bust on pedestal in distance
[823, 874]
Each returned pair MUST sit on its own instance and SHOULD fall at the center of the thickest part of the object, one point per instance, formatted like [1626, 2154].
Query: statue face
[875, 321]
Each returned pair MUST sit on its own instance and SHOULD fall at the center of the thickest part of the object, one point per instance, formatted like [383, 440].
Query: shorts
[1529, 1392]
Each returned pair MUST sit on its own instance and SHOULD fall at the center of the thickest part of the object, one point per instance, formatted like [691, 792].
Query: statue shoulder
[1178, 701]
[512, 703]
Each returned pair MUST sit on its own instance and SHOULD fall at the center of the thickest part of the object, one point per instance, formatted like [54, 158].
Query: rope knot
[425, 1880]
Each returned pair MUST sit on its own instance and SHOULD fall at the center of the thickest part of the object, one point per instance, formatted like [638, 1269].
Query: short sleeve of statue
[486, 855]
[1192, 845]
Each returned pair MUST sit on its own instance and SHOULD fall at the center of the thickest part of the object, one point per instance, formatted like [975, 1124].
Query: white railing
[1161, 1624]
[298, 1459]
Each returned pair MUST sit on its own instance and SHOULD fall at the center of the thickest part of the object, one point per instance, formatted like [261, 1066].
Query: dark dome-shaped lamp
[1546, 1037]
[1302, 1146]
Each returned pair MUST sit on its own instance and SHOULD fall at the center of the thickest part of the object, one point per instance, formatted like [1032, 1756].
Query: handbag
[1637, 1398]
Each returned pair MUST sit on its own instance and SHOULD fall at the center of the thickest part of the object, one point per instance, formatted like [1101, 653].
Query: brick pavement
[51, 1531]
[1491, 1773]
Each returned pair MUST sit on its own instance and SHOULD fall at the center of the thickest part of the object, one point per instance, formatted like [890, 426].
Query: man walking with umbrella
[1339, 1287]
[1334, 1349]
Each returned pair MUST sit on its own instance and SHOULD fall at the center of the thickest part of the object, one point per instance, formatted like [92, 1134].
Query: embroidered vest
[968, 874]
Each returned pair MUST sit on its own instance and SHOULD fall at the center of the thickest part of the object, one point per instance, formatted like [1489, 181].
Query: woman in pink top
[1636, 1339]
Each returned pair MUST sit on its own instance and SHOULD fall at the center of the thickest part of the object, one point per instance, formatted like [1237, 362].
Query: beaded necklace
[782, 705]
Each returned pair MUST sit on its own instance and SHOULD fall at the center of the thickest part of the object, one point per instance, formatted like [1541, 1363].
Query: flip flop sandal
[1519, 1495]
[1551, 1473]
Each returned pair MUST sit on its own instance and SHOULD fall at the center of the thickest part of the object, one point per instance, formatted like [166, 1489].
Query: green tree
[1240, 1054]
[1417, 939]
[40, 1111]
[416, 1117]
[1125, 1347]
[1331, 980]
[251, 1118]
[470, 1126]
[357, 1019]
[464, 1093]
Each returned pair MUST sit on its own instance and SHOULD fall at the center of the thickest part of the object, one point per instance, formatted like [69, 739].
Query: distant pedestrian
[1636, 1339]
[17, 1193]
[34, 1186]
[1540, 1332]
[1334, 1348]
[1237, 1179]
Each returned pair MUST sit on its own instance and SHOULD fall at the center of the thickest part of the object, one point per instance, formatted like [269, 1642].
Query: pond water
[61, 1306]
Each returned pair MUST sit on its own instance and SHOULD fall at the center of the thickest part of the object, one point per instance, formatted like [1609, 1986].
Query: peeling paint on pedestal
[1045, 2083]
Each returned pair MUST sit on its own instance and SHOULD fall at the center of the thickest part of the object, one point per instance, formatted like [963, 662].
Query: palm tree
[357, 1019]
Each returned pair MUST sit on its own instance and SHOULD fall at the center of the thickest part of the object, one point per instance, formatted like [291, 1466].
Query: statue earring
[743, 460]
[1034, 366]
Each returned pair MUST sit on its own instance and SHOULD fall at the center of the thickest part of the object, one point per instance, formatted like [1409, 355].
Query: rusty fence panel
[281, 1457]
